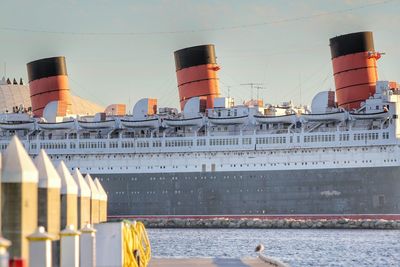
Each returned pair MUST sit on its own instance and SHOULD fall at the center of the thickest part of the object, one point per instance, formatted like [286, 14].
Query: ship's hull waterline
[374, 190]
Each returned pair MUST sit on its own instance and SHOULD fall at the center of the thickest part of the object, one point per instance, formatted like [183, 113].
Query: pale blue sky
[121, 51]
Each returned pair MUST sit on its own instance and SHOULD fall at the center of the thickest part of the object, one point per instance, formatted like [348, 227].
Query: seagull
[260, 248]
[271, 261]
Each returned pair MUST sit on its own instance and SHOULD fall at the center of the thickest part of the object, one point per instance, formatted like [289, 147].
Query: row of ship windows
[233, 190]
[241, 165]
[212, 142]
[207, 154]
[212, 154]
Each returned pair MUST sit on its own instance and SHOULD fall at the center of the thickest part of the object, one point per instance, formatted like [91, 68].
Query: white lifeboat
[144, 123]
[97, 124]
[17, 125]
[291, 118]
[64, 125]
[333, 116]
[227, 120]
[175, 122]
[366, 116]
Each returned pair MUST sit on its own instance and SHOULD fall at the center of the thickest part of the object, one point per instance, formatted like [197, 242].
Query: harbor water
[305, 247]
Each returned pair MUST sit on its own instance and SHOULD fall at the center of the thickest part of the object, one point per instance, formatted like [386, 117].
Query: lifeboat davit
[145, 123]
[97, 124]
[333, 116]
[291, 118]
[64, 125]
[368, 116]
[228, 120]
[17, 125]
[175, 122]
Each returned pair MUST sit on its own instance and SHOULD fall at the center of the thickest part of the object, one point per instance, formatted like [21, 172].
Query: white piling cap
[69, 231]
[68, 185]
[48, 176]
[17, 166]
[83, 188]
[93, 187]
[4, 243]
[88, 228]
[40, 235]
[101, 190]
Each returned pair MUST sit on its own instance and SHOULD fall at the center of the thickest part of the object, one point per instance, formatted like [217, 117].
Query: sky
[122, 51]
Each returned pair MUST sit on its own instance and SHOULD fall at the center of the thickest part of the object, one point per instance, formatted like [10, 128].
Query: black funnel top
[194, 56]
[351, 43]
[46, 67]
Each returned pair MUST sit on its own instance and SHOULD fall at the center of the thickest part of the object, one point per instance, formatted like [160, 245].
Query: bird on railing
[271, 261]
[260, 248]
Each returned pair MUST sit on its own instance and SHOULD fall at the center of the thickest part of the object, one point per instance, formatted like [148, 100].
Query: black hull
[374, 190]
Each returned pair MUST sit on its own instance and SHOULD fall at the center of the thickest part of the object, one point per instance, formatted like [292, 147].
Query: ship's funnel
[48, 81]
[196, 71]
[354, 68]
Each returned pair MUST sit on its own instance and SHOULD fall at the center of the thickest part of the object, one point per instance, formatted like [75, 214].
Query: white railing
[254, 141]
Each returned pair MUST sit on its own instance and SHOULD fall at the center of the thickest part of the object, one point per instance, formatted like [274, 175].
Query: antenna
[5, 69]
[258, 88]
[301, 101]
[229, 91]
[252, 87]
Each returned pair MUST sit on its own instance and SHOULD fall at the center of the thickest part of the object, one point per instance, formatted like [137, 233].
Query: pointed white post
[49, 200]
[19, 197]
[49, 194]
[102, 202]
[40, 248]
[69, 247]
[69, 197]
[88, 246]
[4, 243]
[95, 197]
[84, 194]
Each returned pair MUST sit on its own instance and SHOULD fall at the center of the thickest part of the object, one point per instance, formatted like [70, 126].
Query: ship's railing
[208, 143]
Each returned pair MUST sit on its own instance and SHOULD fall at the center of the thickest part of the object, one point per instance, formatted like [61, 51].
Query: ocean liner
[339, 156]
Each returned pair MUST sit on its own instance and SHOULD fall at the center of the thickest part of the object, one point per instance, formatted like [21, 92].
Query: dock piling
[88, 246]
[69, 247]
[40, 254]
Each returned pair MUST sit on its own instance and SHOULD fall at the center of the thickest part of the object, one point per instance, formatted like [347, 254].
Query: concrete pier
[69, 197]
[49, 187]
[84, 195]
[207, 262]
[102, 202]
[94, 200]
[19, 198]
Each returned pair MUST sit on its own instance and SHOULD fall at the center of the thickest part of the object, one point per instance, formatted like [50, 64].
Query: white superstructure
[241, 142]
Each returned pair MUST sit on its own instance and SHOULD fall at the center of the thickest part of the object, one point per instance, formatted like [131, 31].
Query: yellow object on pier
[136, 245]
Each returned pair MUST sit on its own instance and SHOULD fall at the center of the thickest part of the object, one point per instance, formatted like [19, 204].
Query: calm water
[296, 247]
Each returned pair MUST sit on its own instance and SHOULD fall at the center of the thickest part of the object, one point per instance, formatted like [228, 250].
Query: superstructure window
[246, 141]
